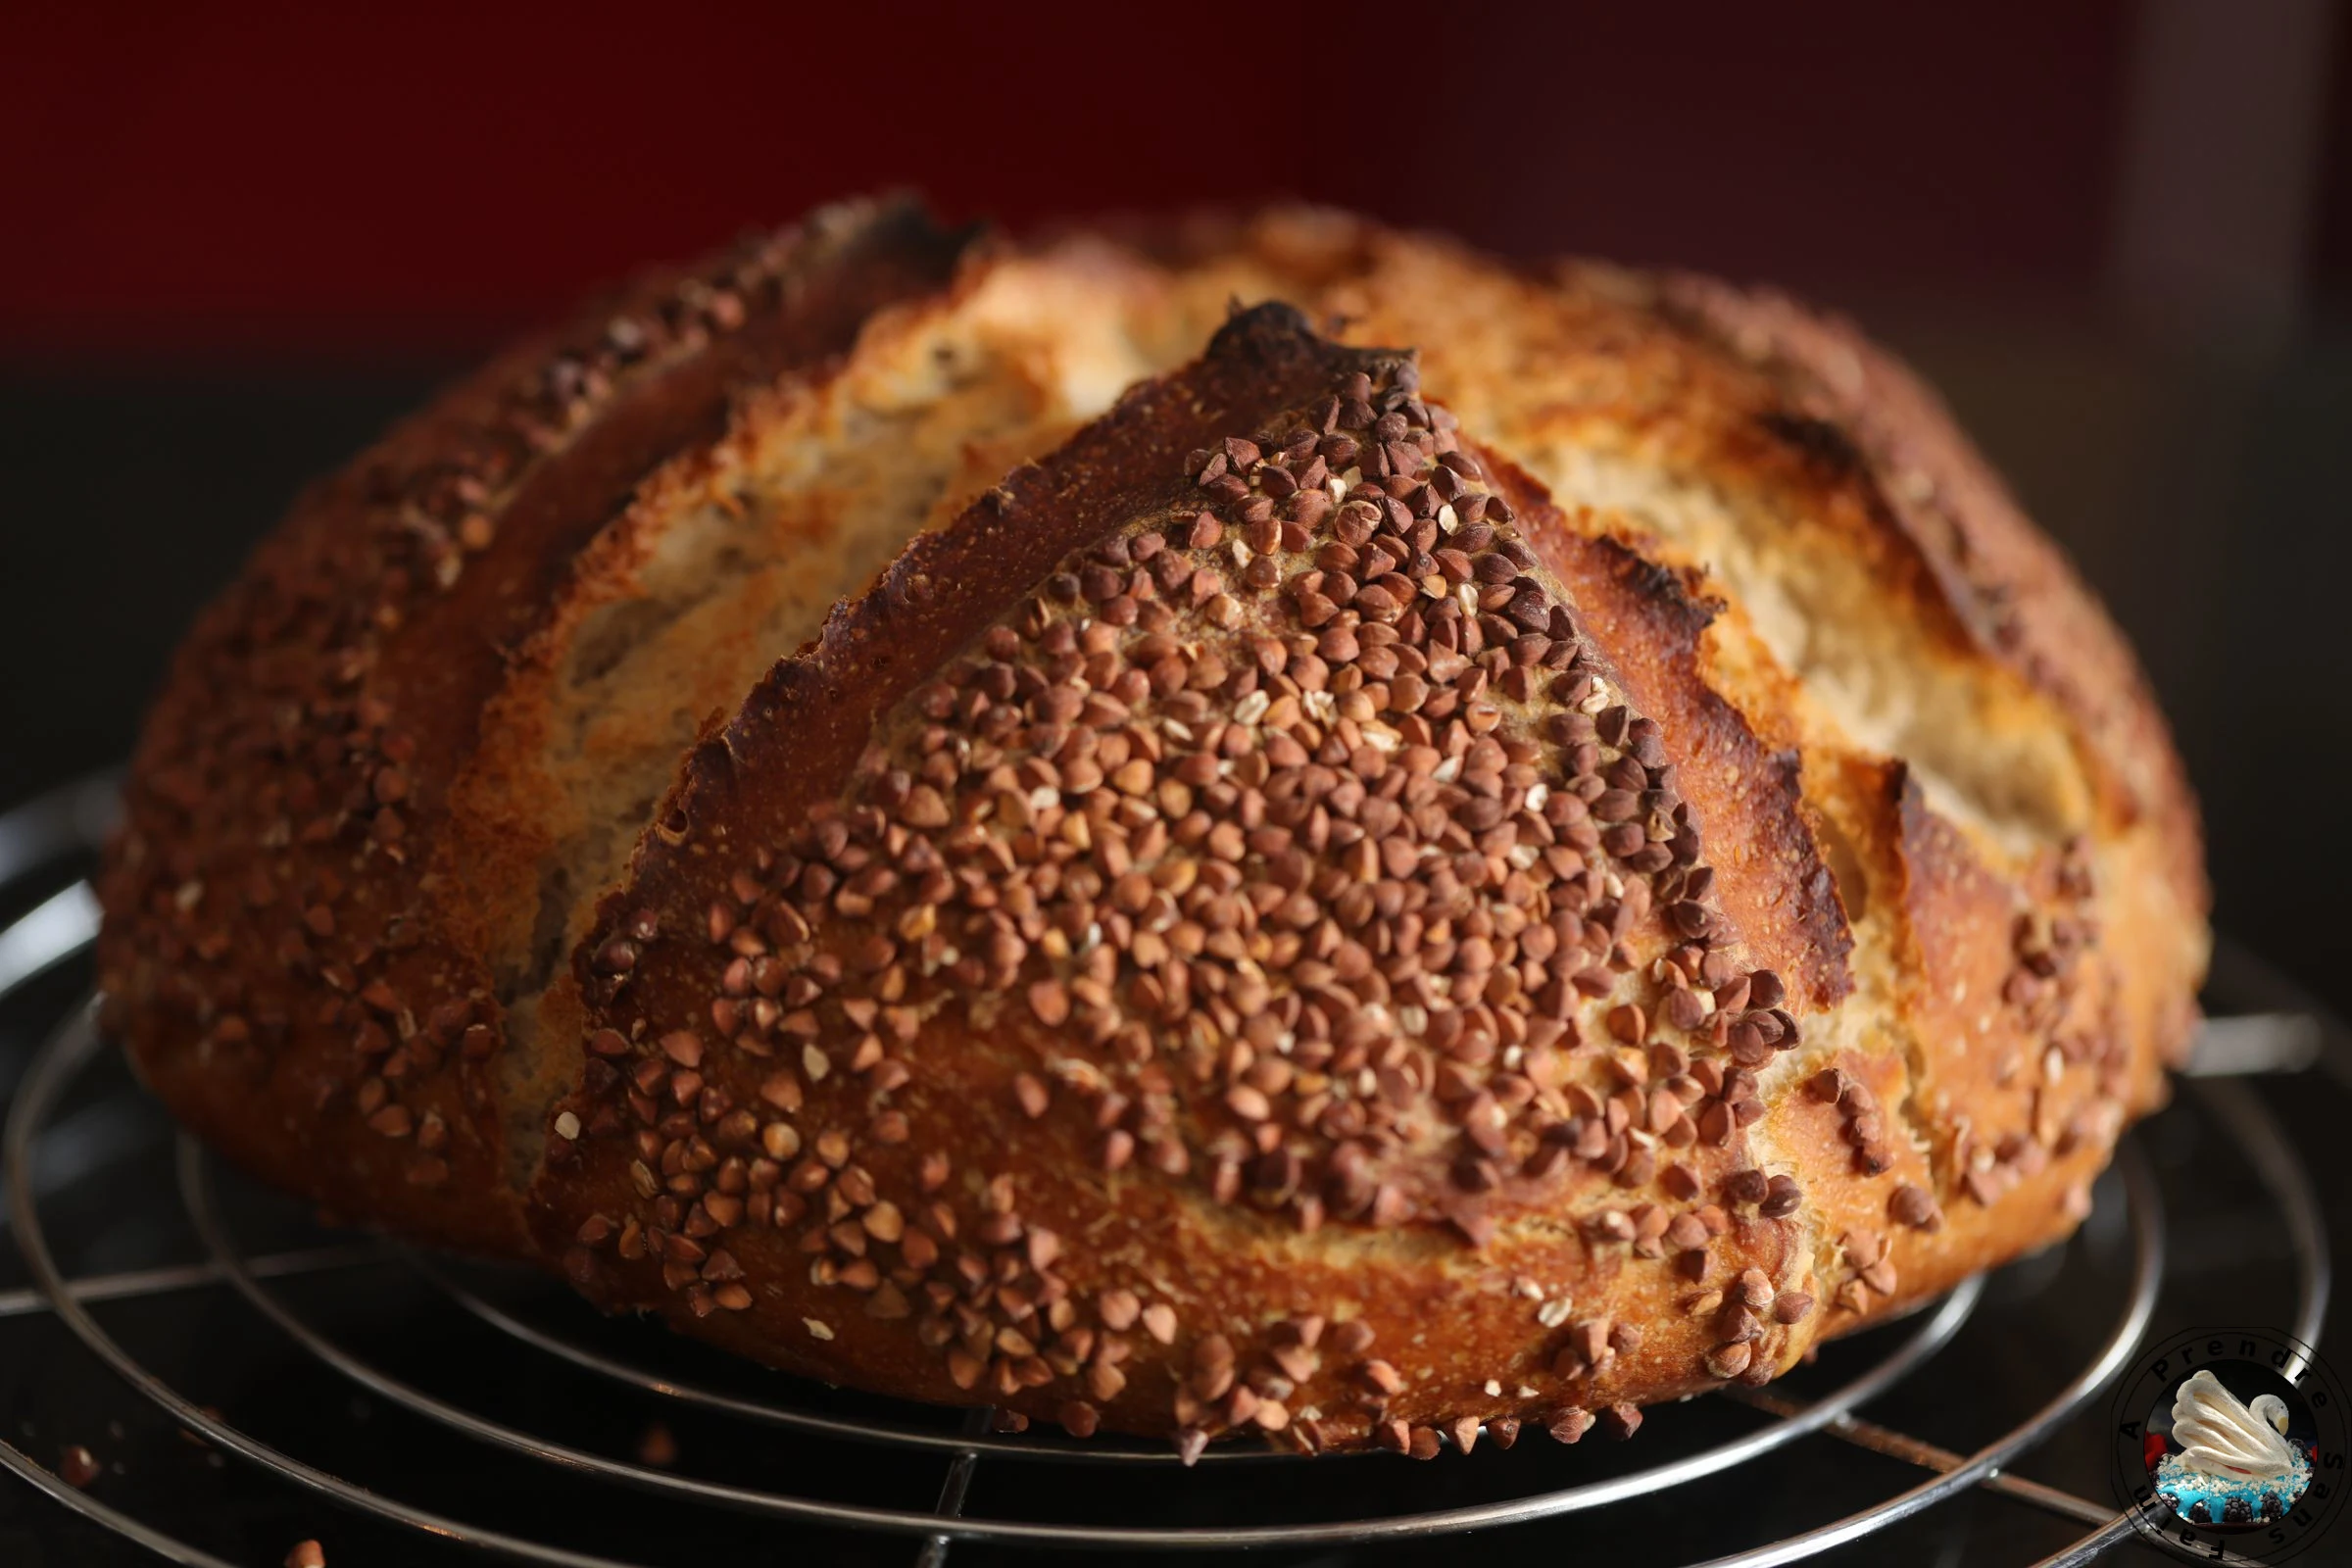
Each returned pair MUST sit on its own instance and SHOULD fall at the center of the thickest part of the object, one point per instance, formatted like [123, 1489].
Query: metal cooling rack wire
[78, 1042]
[64, 924]
[35, 835]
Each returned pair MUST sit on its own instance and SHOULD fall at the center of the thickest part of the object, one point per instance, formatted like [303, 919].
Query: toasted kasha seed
[1568, 1423]
[1621, 1421]
[1781, 1199]
[1034, 1097]
[1050, 1002]
[657, 1446]
[1915, 1206]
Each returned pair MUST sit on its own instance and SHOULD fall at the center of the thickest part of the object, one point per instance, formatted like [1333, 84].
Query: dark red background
[292, 178]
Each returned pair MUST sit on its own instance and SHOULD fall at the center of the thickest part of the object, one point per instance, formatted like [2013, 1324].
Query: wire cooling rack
[497, 1375]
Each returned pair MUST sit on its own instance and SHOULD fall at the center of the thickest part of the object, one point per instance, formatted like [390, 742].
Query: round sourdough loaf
[1240, 825]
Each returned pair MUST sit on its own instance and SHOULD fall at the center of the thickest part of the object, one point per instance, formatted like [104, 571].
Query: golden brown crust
[1662, 870]
[1868, 419]
[293, 957]
[1652, 618]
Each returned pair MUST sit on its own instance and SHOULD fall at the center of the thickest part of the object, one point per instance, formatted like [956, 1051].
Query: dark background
[235, 239]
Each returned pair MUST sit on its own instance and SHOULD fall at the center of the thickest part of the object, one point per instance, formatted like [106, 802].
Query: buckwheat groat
[1537, 858]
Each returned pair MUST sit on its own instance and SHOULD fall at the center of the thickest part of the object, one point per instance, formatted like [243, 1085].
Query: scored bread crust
[1783, 892]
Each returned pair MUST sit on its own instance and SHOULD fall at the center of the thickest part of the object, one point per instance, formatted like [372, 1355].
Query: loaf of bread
[1225, 826]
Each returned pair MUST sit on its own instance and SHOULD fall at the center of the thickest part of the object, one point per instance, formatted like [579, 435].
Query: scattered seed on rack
[657, 1446]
